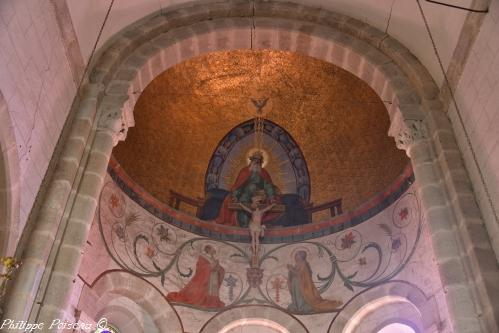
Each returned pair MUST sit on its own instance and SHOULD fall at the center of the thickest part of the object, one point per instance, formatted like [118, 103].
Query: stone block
[164, 41]
[147, 50]
[83, 213]
[421, 153]
[126, 74]
[465, 205]
[460, 301]
[445, 246]
[392, 47]
[154, 25]
[91, 184]
[443, 139]
[450, 160]
[117, 87]
[39, 251]
[452, 272]
[431, 195]
[135, 61]
[66, 170]
[57, 293]
[68, 259]
[355, 27]
[425, 174]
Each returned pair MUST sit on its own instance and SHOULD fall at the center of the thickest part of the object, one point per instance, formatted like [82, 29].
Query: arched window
[251, 325]
[396, 328]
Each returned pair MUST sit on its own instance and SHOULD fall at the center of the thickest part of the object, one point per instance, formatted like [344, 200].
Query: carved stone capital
[116, 116]
[410, 132]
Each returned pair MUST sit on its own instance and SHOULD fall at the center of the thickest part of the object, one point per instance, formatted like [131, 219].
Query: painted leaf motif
[404, 212]
[348, 286]
[131, 218]
[396, 243]
[347, 241]
[386, 229]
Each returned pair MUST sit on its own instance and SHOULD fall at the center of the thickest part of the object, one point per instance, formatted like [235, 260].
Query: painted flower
[150, 252]
[230, 281]
[347, 241]
[396, 243]
[120, 232]
[114, 201]
[404, 212]
[163, 234]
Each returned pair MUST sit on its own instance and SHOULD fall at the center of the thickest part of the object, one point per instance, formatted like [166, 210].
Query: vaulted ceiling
[338, 121]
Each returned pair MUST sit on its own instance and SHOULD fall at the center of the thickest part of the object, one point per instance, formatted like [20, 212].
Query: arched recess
[264, 314]
[9, 183]
[138, 54]
[123, 314]
[392, 302]
[103, 295]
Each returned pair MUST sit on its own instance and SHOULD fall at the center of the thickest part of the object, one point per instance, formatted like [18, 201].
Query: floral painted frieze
[307, 277]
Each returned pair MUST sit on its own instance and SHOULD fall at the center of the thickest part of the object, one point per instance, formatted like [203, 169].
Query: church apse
[305, 207]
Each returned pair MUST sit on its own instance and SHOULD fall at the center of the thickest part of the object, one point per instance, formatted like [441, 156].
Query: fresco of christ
[251, 180]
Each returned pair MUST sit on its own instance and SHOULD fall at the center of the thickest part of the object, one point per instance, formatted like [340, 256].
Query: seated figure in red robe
[250, 180]
[202, 290]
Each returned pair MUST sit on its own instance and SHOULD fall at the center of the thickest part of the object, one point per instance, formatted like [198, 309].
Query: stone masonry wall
[477, 96]
[37, 82]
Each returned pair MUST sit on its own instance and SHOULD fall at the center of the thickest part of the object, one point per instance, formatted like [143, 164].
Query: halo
[265, 154]
[300, 248]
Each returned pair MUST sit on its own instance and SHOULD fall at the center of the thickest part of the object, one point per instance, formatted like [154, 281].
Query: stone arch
[138, 54]
[114, 284]
[9, 183]
[409, 302]
[257, 312]
[379, 60]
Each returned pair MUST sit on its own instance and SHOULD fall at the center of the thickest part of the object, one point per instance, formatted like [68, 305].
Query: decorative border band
[273, 235]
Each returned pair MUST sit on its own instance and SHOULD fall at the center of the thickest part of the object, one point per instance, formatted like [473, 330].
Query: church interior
[242, 166]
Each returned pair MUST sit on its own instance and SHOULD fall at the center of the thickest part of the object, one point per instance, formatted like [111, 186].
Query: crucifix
[257, 210]
[256, 194]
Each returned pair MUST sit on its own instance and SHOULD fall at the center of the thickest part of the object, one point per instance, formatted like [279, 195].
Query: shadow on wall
[9, 184]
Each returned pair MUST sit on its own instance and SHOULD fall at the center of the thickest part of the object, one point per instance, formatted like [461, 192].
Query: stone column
[39, 247]
[111, 128]
[411, 135]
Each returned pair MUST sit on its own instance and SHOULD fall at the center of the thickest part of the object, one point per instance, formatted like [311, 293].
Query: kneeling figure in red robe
[202, 290]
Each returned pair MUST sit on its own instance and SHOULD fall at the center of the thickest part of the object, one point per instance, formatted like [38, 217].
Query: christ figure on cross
[257, 212]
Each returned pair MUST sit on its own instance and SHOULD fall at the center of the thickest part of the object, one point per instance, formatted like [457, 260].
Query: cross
[279, 208]
[256, 215]
[277, 285]
[231, 283]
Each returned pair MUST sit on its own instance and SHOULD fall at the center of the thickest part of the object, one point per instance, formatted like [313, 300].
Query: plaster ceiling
[338, 121]
[399, 18]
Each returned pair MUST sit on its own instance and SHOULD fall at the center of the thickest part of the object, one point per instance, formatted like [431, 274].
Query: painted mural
[253, 241]
[267, 149]
[319, 275]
